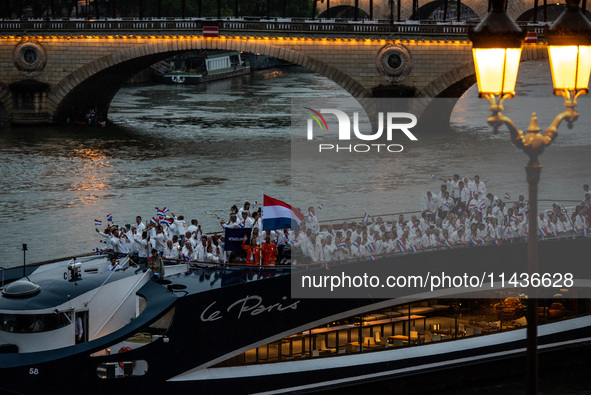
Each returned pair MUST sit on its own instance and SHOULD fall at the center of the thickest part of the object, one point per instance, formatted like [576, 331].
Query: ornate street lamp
[497, 51]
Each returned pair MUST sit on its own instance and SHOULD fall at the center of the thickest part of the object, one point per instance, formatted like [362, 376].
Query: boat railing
[116, 309]
[1, 268]
[106, 280]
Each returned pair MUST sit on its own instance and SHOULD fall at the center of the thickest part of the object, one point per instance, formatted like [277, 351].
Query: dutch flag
[373, 258]
[447, 244]
[166, 221]
[321, 207]
[413, 248]
[507, 196]
[280, 215]
[366, 217]
[109, 218]
[459, 210]
[474, 242]
[343, 245]
[97, 222]
[433, 176]
[429, 212]
[586, 232]
[154, 221]
[371, 247]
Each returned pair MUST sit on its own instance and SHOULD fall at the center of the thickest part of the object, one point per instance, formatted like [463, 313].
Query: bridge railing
[192, 26]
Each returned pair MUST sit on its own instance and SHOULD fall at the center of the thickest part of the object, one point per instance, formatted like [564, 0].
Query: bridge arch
[96, 83]
[344, 11]
[454, 83]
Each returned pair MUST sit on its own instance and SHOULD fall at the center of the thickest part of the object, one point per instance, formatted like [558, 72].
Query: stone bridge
[518, 10]
[50, 69]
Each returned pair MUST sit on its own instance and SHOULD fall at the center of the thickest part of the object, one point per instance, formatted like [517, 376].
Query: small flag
[474, 242]
[343, 245]
[586, 232]
[98, 250]
[321, 207]
[459, 210]
[311, 214]
[549, 213]
[433, 176]
[186, 258]
[326, 266]
[166, 221]
[109, 218]
[497, 242]
[429, 212]
[97, 222]
[447, 244]
[413, 248]
[154, 221]
[373, 258]
[371, 247]
[507, 196]
[401, 246]
[366, 217]
[543, 232]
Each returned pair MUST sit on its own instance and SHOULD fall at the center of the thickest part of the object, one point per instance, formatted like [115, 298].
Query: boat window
[122, 369]
[419, 323]
[30, 323]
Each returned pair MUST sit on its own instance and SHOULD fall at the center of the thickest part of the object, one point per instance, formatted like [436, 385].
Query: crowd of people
[461, 213]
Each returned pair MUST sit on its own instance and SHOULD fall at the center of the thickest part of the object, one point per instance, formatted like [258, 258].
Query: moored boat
[192, 68]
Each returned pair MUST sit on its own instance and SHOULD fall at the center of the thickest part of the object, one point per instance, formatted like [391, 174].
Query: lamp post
[497, 50]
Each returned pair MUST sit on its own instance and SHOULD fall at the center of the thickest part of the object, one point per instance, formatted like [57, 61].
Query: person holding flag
[312, 221]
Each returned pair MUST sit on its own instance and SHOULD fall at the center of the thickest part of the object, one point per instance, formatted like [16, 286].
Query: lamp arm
[497, 119]
[569, 114]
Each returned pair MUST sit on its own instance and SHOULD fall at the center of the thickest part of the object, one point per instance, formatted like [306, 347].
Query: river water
[200, 149]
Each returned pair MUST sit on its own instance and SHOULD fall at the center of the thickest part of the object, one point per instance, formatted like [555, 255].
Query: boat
[235, 328]
[194, 68]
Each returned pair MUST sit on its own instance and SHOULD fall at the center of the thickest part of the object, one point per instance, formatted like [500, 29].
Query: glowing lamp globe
[496, 47]
[569, 49]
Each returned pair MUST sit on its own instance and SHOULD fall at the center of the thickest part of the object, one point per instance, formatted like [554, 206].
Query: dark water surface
[199, 149]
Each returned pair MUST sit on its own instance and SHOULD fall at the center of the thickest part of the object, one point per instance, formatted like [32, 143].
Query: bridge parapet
[274, 27]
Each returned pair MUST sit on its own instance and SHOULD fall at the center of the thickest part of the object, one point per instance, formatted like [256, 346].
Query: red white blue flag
[109, 218]
[97, 222]
[507, 196]
[280, 215]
